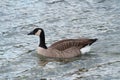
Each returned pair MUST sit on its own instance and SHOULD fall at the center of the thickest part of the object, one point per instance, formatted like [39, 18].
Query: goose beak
[31, 33]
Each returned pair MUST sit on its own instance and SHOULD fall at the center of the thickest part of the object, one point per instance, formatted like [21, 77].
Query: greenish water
[60, 19]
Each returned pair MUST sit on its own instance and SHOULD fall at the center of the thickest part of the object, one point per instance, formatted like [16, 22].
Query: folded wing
[68, 43]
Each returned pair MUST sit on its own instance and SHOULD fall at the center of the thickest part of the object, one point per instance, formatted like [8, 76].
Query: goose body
[67, 48]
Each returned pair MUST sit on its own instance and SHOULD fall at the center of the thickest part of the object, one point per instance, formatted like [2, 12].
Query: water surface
[60, 19]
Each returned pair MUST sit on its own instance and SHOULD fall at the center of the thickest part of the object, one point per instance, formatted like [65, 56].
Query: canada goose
[62, 49]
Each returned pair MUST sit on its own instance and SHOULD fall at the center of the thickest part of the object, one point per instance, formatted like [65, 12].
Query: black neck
[42, 40]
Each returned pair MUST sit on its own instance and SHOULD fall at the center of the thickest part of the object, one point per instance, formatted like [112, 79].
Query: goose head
[36, 31]
[39, 32]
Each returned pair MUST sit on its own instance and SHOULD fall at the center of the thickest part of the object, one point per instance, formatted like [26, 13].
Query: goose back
[67, 43]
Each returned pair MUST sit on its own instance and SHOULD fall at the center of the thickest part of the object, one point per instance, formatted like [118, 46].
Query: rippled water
[60, 19]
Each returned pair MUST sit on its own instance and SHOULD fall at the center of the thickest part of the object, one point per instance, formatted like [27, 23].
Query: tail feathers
[92, 41]
[85, 49]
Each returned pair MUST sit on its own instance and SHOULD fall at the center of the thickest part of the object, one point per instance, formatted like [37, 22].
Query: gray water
[60, 19]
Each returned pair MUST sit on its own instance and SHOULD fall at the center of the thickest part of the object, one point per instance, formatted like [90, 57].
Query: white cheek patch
[38, 33]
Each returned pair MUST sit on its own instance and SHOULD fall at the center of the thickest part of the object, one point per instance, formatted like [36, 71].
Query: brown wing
[78, 43]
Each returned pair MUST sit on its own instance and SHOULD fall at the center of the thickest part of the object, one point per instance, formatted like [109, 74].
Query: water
[60, 19]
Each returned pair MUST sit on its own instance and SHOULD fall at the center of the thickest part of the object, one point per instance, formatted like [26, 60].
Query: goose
[67, 48]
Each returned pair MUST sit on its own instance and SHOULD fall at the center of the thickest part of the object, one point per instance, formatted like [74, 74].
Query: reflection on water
[60, 19]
